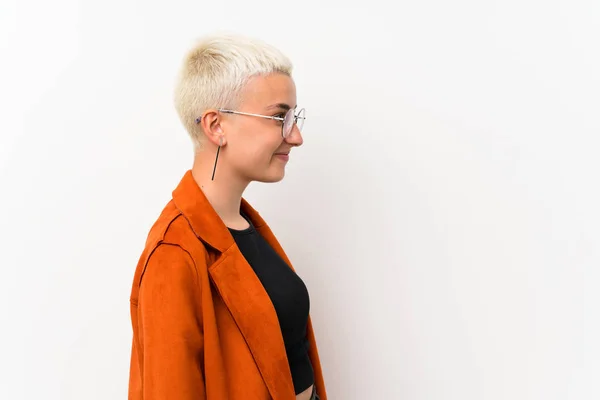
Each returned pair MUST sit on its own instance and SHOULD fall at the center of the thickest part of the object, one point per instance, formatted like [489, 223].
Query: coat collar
[205, 221]
[238, 285]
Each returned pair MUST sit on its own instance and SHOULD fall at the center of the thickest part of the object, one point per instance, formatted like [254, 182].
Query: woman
[217, 309]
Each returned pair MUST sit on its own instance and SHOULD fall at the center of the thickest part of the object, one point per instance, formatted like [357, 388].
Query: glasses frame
[296, 117]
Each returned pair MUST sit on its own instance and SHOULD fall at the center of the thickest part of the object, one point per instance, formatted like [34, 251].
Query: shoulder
[170, 262]
[172, 252]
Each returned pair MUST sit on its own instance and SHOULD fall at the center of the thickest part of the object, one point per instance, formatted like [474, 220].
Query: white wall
[443, 210]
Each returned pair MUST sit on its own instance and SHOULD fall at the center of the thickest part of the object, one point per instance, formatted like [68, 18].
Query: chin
[271, 178]
[273, 173]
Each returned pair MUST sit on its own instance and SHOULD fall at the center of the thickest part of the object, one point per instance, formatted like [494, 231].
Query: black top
[289, 297]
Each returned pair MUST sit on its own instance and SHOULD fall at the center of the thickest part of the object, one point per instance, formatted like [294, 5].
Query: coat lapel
[255, 316]
[239, 287]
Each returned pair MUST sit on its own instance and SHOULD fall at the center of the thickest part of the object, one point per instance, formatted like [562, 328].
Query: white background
[443, 210]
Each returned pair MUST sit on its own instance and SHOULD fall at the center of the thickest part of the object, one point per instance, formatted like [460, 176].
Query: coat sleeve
[170, 327]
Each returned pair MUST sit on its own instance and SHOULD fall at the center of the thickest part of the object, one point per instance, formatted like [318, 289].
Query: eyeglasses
[287, 122]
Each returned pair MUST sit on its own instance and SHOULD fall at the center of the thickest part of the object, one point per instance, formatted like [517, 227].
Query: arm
[170, 326]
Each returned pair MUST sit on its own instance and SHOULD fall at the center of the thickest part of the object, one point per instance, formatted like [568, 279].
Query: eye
[282, 116]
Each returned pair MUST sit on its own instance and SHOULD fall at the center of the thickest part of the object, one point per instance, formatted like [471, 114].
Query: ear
[211, 123]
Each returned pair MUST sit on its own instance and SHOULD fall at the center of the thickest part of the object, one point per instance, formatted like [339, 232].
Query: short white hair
[214, 72]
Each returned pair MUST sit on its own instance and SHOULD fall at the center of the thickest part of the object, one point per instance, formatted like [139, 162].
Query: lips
[283, 156]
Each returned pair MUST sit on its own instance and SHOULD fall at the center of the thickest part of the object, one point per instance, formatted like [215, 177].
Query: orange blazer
[204, 328]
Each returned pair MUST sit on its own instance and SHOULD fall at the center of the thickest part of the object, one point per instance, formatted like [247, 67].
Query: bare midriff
[305, 395]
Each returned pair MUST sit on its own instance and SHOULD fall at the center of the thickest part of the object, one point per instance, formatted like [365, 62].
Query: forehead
[265, 90]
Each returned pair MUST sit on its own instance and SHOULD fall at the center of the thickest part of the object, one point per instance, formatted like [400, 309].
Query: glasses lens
[288, 123]
[300, 120]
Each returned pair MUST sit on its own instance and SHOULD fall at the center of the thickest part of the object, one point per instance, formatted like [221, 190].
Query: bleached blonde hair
[214, 72]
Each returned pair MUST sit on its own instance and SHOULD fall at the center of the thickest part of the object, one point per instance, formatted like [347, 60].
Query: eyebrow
[280, 105]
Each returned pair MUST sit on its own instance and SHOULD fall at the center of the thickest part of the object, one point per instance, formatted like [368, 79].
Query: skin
[249, 149]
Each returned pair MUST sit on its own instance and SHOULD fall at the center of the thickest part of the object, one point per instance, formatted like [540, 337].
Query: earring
[217, 157]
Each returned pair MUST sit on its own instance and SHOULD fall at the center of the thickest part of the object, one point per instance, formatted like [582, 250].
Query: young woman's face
[256, 149]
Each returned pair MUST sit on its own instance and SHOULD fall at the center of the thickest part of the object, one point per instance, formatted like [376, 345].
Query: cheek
[254, 153]
[262, 146]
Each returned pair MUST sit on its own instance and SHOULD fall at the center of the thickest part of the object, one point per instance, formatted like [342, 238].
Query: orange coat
[203, 325]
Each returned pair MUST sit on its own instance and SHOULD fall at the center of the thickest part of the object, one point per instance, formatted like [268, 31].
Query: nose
[295, 137]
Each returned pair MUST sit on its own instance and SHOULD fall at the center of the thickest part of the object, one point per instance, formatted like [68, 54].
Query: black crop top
[289, 297]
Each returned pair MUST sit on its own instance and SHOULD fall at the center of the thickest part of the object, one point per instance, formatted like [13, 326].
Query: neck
[225, 192]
